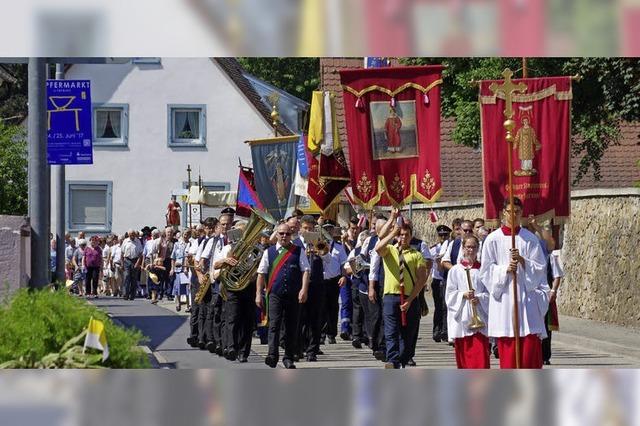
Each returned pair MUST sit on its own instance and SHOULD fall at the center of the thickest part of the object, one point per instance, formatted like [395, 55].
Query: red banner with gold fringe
[540, 151]
[393, 129]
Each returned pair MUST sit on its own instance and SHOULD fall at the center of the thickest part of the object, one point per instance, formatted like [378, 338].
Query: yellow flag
[97, 338]
[316, 122]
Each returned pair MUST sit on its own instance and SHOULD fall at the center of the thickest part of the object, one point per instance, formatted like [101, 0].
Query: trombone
[475, 323]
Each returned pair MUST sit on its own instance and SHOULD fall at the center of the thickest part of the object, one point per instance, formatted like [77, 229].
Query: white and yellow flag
[97, 338]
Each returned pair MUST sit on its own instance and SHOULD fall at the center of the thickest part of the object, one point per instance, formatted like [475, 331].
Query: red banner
[393, 130]
[323, 190]
[540, 151]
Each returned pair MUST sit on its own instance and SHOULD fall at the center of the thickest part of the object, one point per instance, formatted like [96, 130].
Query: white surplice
[533, 294]
[459, 309]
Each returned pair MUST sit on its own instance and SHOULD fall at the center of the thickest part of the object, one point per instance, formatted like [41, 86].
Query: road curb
[591, 344]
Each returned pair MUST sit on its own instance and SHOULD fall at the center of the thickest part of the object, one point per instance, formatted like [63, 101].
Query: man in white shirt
[499, 262]
[284, 271]
[132, 260]
[376, 282]
[438, 286]
[334, 278]
[116, 265]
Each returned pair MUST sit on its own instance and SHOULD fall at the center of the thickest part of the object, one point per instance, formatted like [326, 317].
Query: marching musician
[499, 262]
[217, 313]
[239, 309]
[203, 309]
[360, 284]
[194, 312]
[376, 285]
[334, 279]
[284, 271]
[349, 239]
[438, 285]
[310, 325]
[405, 274]
[465, 296]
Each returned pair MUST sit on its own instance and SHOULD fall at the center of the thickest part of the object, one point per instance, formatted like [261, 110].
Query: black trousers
[283, 309]
[376, 326]
[359, 318]
[91, 281]
[130, 278]
[438, 288]
[194, 320]
[310, 322]
[546, 343]
[205, 318]
[331, 306]
[239, 320]
[218, 319]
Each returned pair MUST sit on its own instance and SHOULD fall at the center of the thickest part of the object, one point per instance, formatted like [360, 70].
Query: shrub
[37, 323]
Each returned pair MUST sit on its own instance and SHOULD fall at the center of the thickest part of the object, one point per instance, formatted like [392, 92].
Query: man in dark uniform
[310, 324]
[284, 271]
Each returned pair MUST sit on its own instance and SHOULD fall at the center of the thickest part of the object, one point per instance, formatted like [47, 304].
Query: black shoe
[202, 345]
[271, 361]
[345, 336]
[312, 358]
[365, 341]
[495, 352]
[332, 340]
[411, 363]
[547, 362]
[219, 350]
[378, 355]
[231, 355]
[211, 347]
[192, 341]
[288, 364]
[242, 359]
[436, 338]
[319, 352]
[357, 344]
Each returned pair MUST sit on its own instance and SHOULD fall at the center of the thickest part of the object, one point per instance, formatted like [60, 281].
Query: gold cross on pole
[508, 88]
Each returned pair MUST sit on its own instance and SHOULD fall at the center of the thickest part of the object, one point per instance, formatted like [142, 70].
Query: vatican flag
[97, 338]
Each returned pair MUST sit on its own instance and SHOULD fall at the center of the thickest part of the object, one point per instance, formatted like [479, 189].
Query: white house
[151, 118]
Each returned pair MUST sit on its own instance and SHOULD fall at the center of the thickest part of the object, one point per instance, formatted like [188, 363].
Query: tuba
[475, 323]
[248, 254]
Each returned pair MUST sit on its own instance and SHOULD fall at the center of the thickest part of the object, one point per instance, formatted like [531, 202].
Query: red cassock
[530, 352]
[472, 351]
[392, 130]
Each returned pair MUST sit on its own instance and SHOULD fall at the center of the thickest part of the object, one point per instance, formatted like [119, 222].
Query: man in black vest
[284, 271]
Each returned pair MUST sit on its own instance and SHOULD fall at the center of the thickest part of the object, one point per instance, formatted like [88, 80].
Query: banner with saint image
[274, 168]
[539, 153]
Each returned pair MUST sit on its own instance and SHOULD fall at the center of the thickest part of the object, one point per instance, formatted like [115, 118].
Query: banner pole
[508, 88]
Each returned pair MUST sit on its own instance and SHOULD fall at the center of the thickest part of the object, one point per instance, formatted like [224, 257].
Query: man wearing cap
[375, 328]
[334, 278]
[310, 323]
[499, 262]
[438, 286]
[284, 271]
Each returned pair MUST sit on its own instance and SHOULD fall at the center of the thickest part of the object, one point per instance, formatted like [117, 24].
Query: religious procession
[350, 230]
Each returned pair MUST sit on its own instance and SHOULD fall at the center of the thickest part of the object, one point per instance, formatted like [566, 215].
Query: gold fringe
[530, 97]
[391, 93]
[382, 188]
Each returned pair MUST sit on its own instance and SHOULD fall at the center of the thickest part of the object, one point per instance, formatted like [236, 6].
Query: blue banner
[302, 158]
[69, 122]
[274, 168]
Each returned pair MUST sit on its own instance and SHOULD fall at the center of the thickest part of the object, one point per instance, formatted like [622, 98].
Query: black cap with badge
[443, 230]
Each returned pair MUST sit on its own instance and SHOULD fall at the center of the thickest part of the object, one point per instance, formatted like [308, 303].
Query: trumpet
[476, 323]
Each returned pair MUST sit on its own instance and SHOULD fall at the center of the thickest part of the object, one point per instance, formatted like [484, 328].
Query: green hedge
[34, 324]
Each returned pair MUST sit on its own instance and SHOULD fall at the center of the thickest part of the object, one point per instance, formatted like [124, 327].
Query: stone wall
[14, 254]
[601, 252]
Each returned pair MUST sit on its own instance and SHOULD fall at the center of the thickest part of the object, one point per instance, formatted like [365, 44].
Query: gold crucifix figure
[508, 88]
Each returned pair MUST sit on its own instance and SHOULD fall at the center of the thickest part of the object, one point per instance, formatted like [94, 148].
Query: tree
[298, 76]
[607, 94]
[13, 96]
[13, 169]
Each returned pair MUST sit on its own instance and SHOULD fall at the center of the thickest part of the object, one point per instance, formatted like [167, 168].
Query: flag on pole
[97, 338]
[247, 196]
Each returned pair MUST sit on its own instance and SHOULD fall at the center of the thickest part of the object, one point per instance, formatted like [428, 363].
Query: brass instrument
[476, 323]
[317, 242]
[358, 264]
[247, 253]
[204, 278]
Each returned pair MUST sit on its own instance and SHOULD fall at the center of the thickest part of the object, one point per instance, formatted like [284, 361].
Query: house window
[89, 206]
[110, 124]
[186, 125]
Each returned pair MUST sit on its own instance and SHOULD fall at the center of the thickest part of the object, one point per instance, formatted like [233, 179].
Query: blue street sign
[69, 122]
